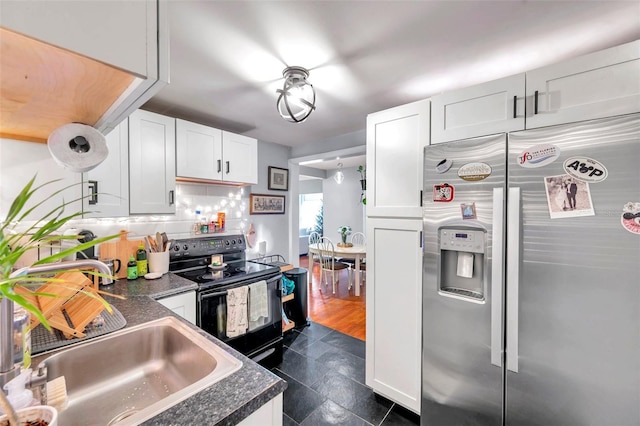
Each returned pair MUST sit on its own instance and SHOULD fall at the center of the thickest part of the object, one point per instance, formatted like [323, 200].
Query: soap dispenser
[17, 393]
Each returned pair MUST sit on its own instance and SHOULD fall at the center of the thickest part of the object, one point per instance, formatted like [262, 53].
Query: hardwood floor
[342, 311]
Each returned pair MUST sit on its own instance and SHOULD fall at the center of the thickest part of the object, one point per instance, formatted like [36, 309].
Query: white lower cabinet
[152, 163]
[394, 309]
[183, 304]
[106, 188]
[270, 414]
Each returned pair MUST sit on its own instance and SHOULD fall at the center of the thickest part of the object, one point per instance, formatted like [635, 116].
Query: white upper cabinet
[494, 107]
[598, 85]
[113, 32]
[19, 162]
[198, 151]
[212, 154]
[240, 158]
[152, 163]
[123, 43]
[396, 139]
[106, 187]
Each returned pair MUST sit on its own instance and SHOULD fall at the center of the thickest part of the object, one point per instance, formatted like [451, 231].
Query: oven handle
[224, 293]
[210, 295]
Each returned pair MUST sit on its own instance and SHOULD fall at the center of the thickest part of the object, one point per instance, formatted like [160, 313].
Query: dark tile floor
[324, 370]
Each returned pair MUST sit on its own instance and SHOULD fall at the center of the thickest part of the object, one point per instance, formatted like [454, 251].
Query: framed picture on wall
[278, 179]
[266, 204]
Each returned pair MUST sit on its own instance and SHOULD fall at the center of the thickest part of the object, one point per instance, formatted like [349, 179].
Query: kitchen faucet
[7, 367]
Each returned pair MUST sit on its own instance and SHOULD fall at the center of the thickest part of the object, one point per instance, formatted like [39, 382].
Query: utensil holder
[159, 262]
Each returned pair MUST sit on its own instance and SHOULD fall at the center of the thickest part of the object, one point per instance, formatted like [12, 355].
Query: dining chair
[357, 239]
[314, 238]
[329, 264]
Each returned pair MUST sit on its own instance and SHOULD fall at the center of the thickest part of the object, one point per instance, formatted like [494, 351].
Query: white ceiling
[227, 57]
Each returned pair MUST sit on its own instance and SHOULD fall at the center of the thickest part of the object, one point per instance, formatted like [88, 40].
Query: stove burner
[214, 275]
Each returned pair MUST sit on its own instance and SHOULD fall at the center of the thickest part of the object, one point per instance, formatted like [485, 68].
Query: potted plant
[344, 231]
[363, 177]
[17, 238]
[363, 183]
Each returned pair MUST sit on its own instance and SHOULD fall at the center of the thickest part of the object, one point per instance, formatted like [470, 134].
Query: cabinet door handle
[93, 192]
[515, 106]
[227, 166]
[219, 166]
[171, 197]
[420, 198]
[535, 103]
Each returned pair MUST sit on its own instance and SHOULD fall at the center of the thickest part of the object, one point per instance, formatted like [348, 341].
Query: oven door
[263, 337]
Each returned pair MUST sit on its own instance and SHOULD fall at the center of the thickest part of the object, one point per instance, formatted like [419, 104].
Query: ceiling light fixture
[339, 176]
[304, 163]
[297, 98]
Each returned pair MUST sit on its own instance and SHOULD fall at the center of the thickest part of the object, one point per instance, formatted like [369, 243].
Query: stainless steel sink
[131, 375]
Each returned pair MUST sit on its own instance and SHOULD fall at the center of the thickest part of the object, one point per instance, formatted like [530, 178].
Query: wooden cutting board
[121, 249]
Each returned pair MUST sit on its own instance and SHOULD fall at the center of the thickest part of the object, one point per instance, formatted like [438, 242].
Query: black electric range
[192, 259]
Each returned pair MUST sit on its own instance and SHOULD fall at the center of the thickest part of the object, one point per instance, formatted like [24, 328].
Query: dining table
[356, 252]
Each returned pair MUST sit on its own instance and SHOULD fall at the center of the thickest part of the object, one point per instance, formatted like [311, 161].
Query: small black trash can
[297, 309]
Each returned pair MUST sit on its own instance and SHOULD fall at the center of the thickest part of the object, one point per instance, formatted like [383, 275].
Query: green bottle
[132, 269]
[141, 260]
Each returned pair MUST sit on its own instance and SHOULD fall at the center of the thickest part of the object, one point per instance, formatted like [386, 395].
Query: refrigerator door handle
[513, 275]
[497, 276]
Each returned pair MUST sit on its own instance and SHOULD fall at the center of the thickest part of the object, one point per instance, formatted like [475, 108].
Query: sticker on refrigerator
[568, 197]
[474, 171]
[444, 166]
[585, 169]
[631, 217]
[468, 211]
[538, 156]
[443, 193]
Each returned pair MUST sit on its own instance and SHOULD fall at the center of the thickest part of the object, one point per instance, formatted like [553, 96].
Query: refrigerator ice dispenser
[462, 263]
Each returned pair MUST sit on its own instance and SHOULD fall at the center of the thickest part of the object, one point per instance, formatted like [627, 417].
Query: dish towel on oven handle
[237, 311]
[258, 305]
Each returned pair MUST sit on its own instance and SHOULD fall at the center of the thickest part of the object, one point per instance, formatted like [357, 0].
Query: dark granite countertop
[224, 403]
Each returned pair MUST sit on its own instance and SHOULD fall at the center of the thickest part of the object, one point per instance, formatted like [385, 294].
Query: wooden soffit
[43, 87]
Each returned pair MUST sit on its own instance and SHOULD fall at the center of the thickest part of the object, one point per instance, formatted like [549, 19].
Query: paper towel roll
[77, 147]
[262, 248]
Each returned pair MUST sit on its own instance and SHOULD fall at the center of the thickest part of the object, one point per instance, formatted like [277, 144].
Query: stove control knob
[239, 240]
[226, 242]
[176, 248]
[185, 247]
[233, 242]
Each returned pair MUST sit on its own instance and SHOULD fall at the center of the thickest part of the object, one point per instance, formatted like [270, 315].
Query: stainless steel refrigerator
[531, 285]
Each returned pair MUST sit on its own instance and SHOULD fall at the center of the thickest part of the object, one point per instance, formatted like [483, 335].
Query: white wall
[311, 186]
[342, 204]
[348, 140]
[272, 228]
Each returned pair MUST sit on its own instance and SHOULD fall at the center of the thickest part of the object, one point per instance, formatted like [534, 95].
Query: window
[310, 213]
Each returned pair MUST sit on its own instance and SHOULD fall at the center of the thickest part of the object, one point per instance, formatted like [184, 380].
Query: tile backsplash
[208, 199]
